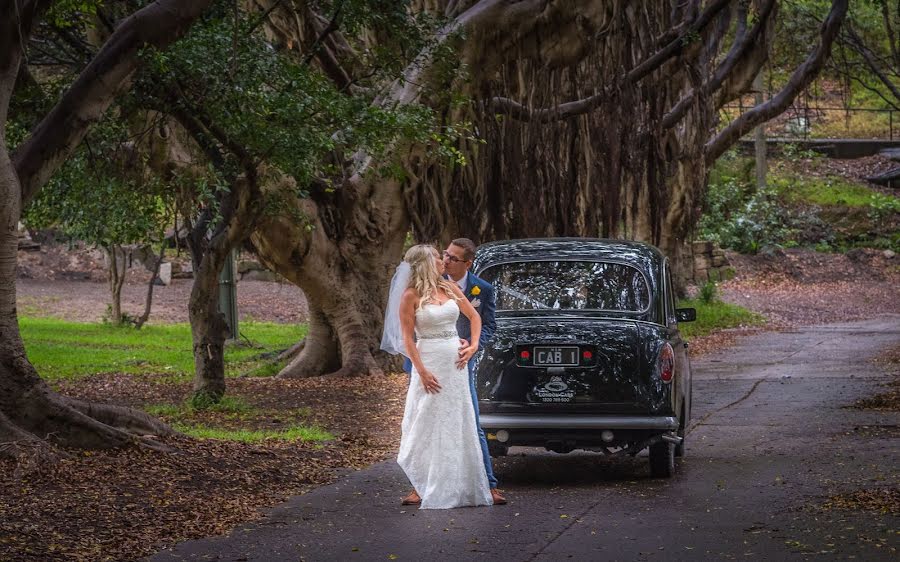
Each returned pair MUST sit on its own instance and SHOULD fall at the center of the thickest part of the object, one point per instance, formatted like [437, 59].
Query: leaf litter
[125, 504]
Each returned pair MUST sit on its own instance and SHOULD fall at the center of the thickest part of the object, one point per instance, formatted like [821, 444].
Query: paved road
[770, 441]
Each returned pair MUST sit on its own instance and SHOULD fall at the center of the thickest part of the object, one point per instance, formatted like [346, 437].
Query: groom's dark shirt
[481, 294]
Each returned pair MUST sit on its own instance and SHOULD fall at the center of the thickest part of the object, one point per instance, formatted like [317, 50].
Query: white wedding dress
[439, 449]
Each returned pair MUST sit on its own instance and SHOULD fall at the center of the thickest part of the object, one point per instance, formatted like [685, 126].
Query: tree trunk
[29, 411]
[208, 330]
[319, 353]
[148, 304]
[241, 207]
[116, 277]
[344, 265]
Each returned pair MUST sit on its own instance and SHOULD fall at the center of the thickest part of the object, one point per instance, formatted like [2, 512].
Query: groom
[457, 260]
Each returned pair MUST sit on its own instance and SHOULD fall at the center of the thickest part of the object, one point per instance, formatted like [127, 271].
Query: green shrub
[708, 292]
[742, 222]
[882, 207]
[793, 151]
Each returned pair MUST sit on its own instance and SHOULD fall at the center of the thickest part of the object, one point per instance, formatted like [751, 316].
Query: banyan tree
[581, 118]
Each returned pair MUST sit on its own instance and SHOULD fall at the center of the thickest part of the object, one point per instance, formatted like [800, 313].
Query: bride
[439, 448]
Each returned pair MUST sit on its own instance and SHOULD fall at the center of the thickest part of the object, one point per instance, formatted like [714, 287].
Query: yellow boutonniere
[476, 290]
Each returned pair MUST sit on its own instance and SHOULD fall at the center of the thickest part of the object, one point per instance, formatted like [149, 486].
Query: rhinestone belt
[439, 336]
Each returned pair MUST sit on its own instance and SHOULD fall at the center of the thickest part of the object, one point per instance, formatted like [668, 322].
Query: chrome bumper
[544, 421]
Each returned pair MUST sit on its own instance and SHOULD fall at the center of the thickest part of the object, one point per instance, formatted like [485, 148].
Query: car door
[683, 377]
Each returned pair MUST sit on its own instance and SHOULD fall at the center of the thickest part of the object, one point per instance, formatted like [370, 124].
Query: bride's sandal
[412, 499]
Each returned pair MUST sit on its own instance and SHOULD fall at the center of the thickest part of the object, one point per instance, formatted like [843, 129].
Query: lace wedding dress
[439, 449]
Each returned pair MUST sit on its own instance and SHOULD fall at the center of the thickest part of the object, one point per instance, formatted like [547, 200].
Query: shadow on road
[535, 468]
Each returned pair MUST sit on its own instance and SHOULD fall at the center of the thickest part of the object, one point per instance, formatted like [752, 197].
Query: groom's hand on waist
[463, 344]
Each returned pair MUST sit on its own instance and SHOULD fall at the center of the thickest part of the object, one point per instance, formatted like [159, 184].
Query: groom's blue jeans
[482, 438]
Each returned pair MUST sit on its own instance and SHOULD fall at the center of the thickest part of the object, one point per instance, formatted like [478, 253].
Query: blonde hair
[424, 277]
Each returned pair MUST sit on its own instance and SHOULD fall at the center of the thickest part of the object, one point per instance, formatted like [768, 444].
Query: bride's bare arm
[408, 328]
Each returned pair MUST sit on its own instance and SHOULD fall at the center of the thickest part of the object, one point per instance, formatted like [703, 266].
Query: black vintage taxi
[587, 353]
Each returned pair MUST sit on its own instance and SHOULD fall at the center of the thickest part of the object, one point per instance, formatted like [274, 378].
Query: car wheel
[662, 460]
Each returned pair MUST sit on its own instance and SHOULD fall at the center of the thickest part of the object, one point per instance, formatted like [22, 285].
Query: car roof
[638, 254]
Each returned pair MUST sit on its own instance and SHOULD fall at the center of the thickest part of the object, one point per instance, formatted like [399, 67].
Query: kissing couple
[438, 316]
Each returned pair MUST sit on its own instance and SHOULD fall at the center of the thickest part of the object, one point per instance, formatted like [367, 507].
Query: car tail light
[524, 355]
[587, 355]
[666, 363]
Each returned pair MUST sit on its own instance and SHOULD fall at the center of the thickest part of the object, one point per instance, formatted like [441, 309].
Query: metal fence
[812, 122]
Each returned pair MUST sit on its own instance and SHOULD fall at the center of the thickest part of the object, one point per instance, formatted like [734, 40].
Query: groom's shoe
[497, 497]
[414, 499]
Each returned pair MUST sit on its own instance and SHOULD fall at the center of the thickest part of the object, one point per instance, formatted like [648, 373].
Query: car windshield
[568, 285]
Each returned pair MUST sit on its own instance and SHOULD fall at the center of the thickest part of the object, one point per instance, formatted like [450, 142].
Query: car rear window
[572, 285]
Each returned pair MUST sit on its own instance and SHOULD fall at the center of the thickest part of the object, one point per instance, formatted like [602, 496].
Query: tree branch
[199, 134]
[856, 43]
[687, 13]
[27, 13]
[263, 17]
[574, 108]
[744, 42]
[892, 38]
[799, 80]
[15, 29]
[678, 44]
[107, 75]
[330, 64]
[76, 43]
[851, 76]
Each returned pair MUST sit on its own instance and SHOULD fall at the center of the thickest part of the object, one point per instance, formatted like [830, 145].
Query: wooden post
[760, 136]
[228, 296]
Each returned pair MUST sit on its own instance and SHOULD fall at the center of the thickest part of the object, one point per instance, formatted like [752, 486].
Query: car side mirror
[685, 314]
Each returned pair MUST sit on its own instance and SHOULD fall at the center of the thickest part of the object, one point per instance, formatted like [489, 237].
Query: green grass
[65, 350]
[716, 315]
[228, 405]
[827, 191]
[295, 433]
[233, 419]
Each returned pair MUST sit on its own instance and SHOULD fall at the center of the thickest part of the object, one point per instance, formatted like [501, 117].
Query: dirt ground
[72, 285]
[801, 287]
[789, 287]
[128, 503]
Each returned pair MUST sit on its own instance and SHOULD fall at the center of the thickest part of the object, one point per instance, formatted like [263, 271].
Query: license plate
[546, 356]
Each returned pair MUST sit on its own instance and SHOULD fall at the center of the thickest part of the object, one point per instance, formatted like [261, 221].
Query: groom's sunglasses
[450, 257]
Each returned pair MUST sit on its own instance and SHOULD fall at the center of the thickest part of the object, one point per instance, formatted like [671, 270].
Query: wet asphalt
[770, 441]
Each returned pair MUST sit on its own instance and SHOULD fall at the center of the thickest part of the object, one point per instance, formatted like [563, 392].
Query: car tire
[662, 460]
